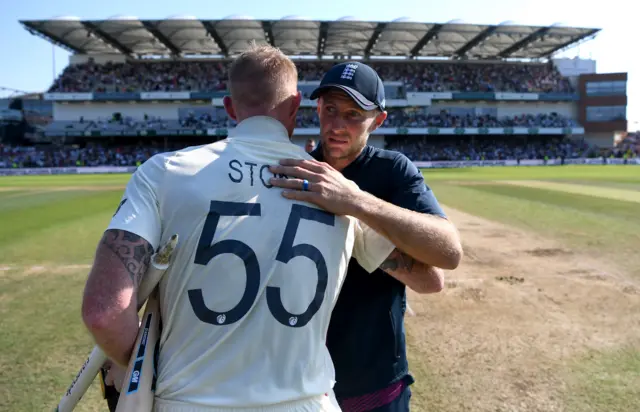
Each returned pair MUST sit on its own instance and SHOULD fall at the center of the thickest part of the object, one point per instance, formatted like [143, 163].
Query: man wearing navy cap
[366, 334]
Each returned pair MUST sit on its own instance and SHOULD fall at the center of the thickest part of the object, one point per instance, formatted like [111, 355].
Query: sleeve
[138, 211]
[370, 248]
[411, 192]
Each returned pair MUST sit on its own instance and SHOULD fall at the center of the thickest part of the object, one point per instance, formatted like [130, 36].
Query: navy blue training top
[366, 337]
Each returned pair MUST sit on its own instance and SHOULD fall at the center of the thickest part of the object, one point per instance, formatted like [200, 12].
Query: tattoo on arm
[414, 274]
[398, 261]
[133, 251]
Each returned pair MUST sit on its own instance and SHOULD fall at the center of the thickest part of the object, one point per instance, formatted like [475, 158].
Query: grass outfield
[567, 336]
[556, 202]
[542, 314]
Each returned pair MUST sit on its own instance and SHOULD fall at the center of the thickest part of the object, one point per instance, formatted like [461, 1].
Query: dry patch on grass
[513, 315]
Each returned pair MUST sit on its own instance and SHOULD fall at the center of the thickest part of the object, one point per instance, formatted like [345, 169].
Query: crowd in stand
[631, 142]
[126, 123]
[211, 76]
[308, 118]
[141, 77]
[416, 148]
[425, 149]
[29, 156]
[482, 78]
[445, 119]
[197, 121]
[416, 76]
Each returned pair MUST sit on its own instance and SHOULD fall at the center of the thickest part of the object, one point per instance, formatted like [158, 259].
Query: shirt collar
[260, 128]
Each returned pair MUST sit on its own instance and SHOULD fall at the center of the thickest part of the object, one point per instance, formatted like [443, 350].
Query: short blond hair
[262, 77]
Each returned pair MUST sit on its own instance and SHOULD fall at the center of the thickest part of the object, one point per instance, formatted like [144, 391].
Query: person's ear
[228, 107]
[295, 104]
[380, 118]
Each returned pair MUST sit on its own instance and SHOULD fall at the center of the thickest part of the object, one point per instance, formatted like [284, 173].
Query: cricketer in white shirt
[247, 301]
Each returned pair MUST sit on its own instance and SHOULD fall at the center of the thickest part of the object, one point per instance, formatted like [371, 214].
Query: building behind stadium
[132, 81]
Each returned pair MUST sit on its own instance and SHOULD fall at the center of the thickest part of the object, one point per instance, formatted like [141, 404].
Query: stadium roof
[298, 36]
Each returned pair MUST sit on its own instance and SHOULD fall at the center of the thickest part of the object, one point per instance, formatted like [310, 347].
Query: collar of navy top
[260, 128]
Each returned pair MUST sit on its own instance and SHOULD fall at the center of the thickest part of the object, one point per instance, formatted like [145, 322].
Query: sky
[30, 63]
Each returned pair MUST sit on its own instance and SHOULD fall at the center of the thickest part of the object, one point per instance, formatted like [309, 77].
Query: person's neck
[274, 115]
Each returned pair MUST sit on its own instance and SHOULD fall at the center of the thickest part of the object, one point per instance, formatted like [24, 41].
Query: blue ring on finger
[305, 185]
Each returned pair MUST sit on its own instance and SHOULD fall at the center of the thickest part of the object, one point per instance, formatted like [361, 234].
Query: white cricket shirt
[247, 300]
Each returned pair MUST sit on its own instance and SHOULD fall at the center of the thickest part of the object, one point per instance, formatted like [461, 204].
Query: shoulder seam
[397, 158]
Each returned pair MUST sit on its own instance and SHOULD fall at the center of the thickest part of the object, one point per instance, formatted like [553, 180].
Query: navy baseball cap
[358, 80]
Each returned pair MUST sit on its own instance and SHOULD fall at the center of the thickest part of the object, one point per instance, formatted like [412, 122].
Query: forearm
[110, 311]
[109, 307]
[419, 277]
[117, 337]
[429, 239]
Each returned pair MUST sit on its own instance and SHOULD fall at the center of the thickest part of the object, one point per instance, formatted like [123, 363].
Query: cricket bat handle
[137, 392]
[97, 358]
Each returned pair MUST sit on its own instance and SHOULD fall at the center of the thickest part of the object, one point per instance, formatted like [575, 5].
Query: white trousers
[324, 403]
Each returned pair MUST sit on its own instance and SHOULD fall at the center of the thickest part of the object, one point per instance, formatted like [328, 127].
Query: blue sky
[28, 64]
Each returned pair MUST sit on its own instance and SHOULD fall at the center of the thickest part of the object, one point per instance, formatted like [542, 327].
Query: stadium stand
[212, 77]
[197, 118]
[417, 149]
[30, 157]
[455, 91]
[422, 150]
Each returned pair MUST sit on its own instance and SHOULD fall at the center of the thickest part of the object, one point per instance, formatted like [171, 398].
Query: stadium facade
[444, 80]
